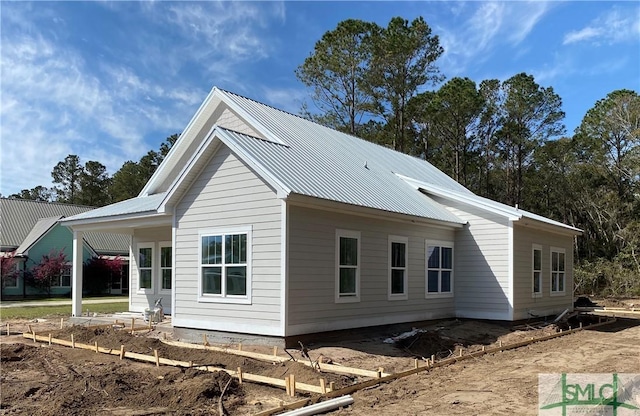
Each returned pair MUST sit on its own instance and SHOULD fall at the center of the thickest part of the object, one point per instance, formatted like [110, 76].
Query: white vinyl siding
[347, 266]
[527, 306]
[225, 195]
[398, 267]
[558, 270]
[536, 271]
[481, 263]
[312, 272]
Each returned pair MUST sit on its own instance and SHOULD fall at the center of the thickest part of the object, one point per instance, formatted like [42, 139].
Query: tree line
[504, 140]
[90, 184]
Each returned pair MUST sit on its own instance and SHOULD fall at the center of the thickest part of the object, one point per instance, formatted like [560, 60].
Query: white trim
[511, 268]
[173, 265]
[564, 272]
[227, 326]
[161, 245]
[439, 293]
[132, 261]
[347, 298]
[405, 294]
[146, 290]
[224, 298]
[284, 265]
[534, 248]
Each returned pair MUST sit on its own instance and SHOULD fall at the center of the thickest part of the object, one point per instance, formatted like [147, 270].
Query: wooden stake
[332, 386]
[416, 363]
[500, 343]
[275, 350]
[380, 371]
[164, 336]
[73, 342]
[133, 324]
[239, 375]
[121, 352]
[205, 342]
[190, 364]
[30, 330]
[240, 346]
[323, 385]
[320, 359]
[8, 330]
[483, 348]
[34, 336]
[433, 359]
[292, 382]
[461, 351]
[287, 385]
[155, 354]
[61, 323]
[581, 325]
[50, 339]
[96, 345]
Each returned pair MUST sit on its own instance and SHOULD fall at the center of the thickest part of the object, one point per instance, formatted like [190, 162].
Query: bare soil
[38, 379]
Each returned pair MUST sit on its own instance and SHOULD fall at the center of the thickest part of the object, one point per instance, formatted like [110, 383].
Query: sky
[110, 80]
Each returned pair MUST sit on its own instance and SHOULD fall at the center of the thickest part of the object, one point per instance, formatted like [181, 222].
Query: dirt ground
[38, 379]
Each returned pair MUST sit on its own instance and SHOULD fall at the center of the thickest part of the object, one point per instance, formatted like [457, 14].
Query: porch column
[76, 285]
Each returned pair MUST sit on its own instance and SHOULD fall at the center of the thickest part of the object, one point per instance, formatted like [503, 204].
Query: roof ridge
[48, 202]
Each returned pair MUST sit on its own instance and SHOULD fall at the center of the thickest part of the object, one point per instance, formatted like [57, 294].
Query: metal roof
[135, 205]
[19, 216]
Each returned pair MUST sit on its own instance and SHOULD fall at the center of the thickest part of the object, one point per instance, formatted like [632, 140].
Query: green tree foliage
[94, 184]
[336, 70]
[404, 56]
[67, 175]
[39, 193]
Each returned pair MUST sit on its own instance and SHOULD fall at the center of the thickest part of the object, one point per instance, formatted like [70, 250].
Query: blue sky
[109, 81]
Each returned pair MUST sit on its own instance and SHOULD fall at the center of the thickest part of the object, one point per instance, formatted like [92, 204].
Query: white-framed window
[557, 271]
[347, 266]
[64, 280]
[398, 271]
[439, 258]
[145, 267]
[536, 271]
[166, 255]
[225, 265]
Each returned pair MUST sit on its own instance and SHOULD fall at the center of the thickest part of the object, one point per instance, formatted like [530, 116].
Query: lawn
[31, 312]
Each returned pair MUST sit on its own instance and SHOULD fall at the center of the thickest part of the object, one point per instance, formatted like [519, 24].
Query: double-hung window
[145, 266]
[439, 255]
[166, 253]
[536, 271]
[347, 266]
[557, 271]
[225, 266]
[64, 279]
[398, 273]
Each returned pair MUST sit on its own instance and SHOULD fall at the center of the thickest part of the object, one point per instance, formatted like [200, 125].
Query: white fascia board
[282, 191]
[158, 173]
[475, 201]
[252, 121]
[146, 218]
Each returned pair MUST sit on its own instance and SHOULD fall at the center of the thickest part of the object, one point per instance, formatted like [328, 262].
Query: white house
[261, 222]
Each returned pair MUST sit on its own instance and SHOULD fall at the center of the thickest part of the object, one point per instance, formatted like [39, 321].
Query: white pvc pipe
[322, 407]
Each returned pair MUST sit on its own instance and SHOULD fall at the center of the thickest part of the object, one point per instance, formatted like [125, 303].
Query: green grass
[32, 312]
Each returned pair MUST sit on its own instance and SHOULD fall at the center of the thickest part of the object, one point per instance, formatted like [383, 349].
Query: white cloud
[288, 99]
[615, 26]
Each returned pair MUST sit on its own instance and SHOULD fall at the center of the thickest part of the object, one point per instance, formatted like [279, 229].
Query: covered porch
[150, 253]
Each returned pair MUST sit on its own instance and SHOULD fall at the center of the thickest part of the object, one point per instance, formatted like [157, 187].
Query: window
[536, 271]
[165, 266]
[439, 268]
[145, 266]
[224, 265]
[398, 274]
[347, 266]
[557, 271]
[64, 280]
[11, 279]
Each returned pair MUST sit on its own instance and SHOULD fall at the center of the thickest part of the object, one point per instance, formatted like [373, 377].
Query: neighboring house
[261, 222]
[30, 230]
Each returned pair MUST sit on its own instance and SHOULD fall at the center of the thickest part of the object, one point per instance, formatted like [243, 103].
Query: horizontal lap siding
[525, 305]
[481, 263]
[229, 194]
[311, 270]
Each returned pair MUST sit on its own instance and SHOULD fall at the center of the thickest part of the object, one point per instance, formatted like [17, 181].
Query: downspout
[510, 272]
